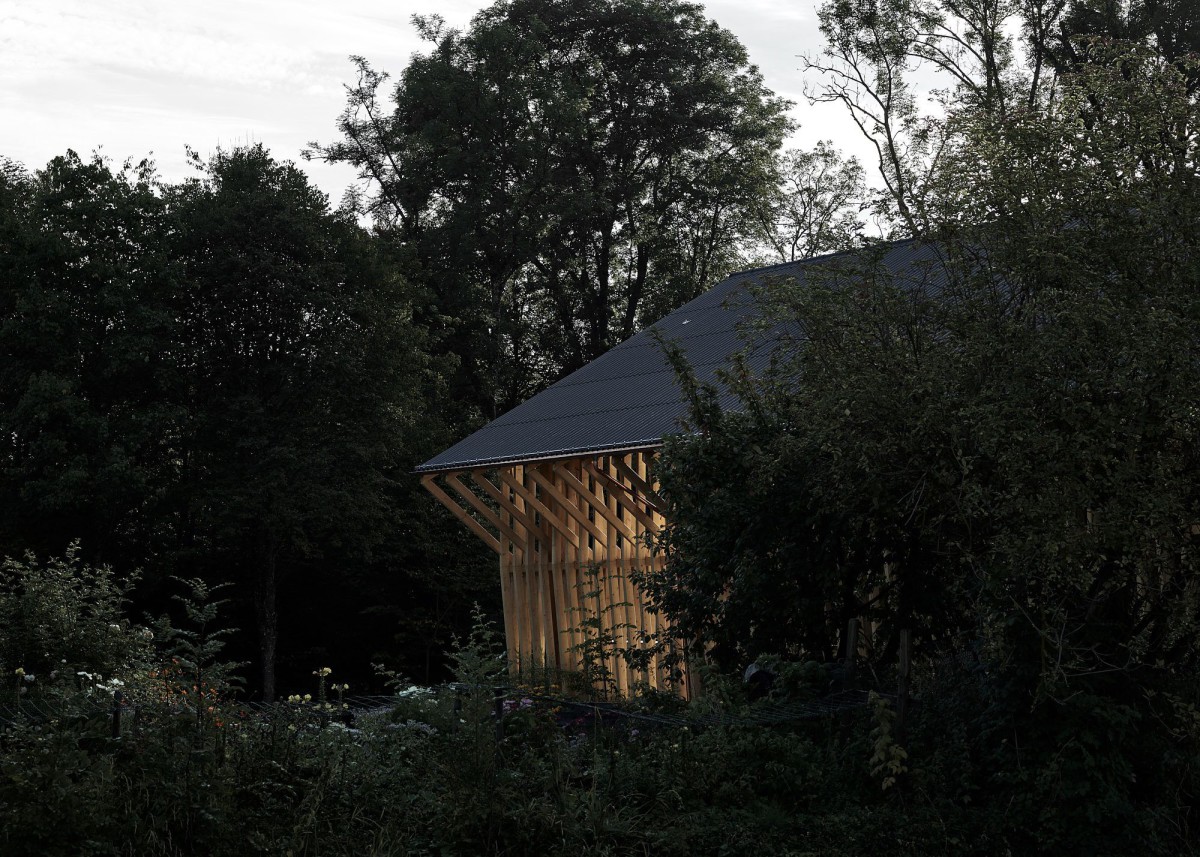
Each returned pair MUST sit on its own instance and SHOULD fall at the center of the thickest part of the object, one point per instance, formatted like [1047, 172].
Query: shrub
[62, 614]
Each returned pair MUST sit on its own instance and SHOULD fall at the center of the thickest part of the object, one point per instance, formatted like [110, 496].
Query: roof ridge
[895, 242]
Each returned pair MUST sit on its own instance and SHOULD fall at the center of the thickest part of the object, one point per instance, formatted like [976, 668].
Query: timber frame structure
[560, 487]
[570, 533]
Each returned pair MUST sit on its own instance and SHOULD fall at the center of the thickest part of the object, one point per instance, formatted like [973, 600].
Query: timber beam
[517, 508]
[430, 483]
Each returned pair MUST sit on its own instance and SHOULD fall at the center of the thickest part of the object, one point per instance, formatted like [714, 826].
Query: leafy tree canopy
[816, 207]
[1007, 465]
[84, 412]
[561, 172]
[997, 57]
[219, 378]
[305, 374]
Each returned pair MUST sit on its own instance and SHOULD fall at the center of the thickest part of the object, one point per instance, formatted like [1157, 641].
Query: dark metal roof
[628, 398]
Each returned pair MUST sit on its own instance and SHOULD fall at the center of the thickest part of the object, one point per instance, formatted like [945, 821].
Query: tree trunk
[266, 616]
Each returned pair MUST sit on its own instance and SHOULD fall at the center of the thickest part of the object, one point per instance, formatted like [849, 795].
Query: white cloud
[137, 76]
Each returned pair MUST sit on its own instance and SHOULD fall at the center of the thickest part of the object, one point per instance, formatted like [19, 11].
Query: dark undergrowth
[195, 772]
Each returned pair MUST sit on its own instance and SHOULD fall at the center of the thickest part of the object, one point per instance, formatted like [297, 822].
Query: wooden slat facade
[569, 533]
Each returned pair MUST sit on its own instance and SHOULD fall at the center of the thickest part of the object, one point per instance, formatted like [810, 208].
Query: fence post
[116, 713]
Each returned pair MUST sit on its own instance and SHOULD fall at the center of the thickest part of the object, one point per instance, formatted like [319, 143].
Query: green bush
[61, 615]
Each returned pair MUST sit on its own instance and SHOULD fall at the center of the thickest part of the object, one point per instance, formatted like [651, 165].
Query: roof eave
[554, 455]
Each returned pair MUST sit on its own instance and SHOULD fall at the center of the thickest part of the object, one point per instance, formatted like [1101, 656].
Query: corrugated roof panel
[628, 397]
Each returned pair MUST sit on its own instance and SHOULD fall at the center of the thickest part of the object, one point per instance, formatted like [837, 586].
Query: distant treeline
[222, 378]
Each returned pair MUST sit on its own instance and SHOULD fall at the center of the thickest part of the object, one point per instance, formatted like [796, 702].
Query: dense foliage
[195, 772]
[997, 451]
[219, 378]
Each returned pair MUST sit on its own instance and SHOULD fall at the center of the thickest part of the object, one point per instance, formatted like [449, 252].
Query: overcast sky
[139, 77]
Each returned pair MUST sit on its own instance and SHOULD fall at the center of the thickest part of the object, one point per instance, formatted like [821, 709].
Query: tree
[85, 417]
[993, 56]
[560, 173]
[815, 208]
[1006, 465]
[1170, 28]
[222, 379]
[304, 378]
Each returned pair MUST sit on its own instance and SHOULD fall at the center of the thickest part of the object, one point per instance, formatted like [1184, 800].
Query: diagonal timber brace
[515, 509]
[430, 483]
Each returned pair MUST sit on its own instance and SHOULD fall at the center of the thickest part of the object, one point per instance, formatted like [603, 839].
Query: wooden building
[560, 486]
